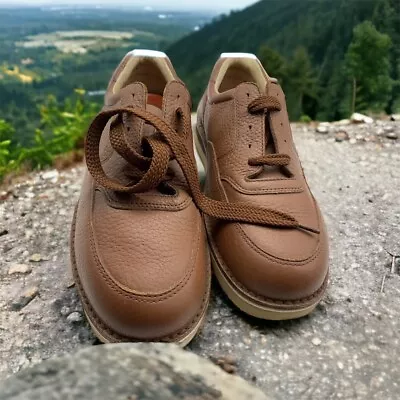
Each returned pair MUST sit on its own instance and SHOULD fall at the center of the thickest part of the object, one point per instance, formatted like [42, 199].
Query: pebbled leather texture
[142, 260]
[263, 262]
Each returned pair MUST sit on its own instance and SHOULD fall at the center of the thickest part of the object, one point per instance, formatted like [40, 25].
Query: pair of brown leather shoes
[139, 248]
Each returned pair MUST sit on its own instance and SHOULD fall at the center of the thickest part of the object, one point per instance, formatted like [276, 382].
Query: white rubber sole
[183, 342]
[255, 309]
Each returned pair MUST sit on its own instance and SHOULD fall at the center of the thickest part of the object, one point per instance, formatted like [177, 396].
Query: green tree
[368, 67]
[301, 84]
[6, 136]
[273, 62]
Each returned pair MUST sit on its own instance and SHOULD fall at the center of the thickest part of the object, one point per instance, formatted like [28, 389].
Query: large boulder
[128, 372]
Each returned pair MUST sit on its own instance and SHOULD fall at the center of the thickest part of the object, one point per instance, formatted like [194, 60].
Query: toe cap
[134, 288]
[256, 262]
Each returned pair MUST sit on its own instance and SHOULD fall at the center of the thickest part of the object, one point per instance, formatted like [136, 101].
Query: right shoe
[138, 245]
[276, 268]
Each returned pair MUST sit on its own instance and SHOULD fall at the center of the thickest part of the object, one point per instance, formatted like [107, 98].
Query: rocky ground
[348, 349]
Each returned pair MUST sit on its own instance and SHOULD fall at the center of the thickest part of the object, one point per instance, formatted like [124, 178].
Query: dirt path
[348, 349]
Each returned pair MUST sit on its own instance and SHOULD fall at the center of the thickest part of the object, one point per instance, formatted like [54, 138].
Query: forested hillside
[328, 63]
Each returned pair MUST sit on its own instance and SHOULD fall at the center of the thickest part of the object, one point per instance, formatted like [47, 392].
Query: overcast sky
[164, 4]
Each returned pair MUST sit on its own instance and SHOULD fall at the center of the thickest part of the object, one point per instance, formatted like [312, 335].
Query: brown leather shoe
[276, 269]
[138, 244]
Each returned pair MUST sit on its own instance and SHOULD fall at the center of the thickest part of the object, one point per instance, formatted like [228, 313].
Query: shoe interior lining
[153, 72]
[237, 71]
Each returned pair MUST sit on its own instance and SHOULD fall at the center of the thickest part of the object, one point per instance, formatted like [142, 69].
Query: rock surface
[358, 118]
[128, 372]
[347, 349]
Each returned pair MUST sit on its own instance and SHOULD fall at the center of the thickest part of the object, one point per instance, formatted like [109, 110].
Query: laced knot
[268, 104]
[151, 167]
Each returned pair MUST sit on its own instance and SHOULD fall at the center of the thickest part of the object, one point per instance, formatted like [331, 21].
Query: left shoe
[138, 244]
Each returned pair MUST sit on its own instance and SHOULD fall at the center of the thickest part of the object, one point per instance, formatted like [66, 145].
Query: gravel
[347, 349]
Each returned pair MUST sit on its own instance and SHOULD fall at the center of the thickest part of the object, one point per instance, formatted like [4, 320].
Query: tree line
[363, 80]
[332, 57]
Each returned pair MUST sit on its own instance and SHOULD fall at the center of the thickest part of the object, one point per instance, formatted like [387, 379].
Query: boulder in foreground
[128, 372]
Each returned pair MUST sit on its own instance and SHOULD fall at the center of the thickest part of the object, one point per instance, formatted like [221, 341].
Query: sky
[164, 4]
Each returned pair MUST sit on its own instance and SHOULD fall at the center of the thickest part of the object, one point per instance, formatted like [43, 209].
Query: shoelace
[165, 145]
[267, 104]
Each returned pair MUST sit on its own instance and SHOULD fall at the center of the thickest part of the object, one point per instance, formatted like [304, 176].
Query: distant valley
[53, 51]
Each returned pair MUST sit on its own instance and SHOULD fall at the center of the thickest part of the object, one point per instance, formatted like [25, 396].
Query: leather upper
[262, 261]
[141, 258]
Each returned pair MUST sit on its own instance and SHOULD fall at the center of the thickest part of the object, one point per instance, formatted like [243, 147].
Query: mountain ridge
[324, 28]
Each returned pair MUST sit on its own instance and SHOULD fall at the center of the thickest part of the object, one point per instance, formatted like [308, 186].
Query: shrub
[62, 130]
[305, 119]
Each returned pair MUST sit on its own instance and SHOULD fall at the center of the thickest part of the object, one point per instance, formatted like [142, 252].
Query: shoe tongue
[155, 100]
[137, 94]
[244, 92]
[164, 106]
[149, 130]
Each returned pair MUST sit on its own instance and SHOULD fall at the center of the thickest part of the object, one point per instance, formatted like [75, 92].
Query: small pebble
[322, 129]
[51, 176]
[341, 136]
[388, 128]
[4, 195]
[392, 135]
[25, 298]
[19, 269]
[395, 117]
[65, 311]
[227, 360]
[316, 341]
[74, 318]
[35, 258]
[228, 368]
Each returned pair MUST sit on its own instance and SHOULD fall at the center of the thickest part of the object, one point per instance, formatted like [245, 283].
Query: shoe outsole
[183, 342]
[238, 298]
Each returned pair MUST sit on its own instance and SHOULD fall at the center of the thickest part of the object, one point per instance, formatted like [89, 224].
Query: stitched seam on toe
[142, 298]
[226, 270]
[273, 258]
[115, 336]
